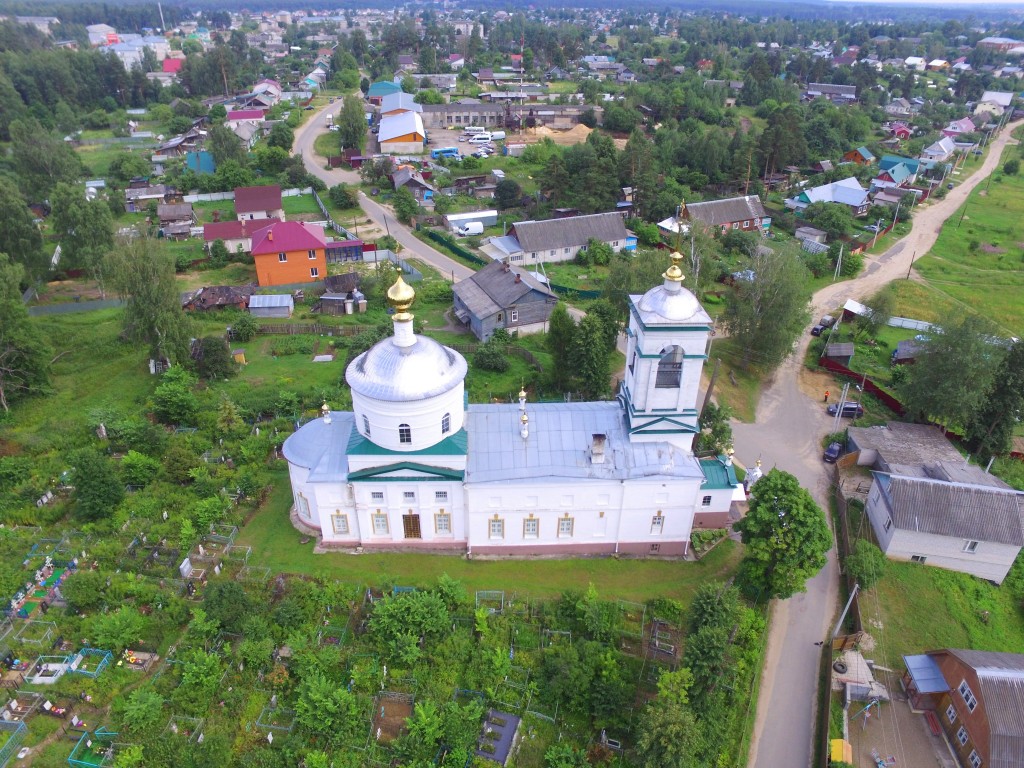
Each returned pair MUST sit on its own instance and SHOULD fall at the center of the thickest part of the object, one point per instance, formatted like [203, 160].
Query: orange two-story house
[289, 252]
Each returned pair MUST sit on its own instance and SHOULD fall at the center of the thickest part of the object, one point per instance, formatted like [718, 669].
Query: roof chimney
[597, 449]
[270, 235]
[505, 266]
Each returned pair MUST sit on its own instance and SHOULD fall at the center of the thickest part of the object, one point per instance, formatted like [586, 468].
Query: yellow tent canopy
[841, 752]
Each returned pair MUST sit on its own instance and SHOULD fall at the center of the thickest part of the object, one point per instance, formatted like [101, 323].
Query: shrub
[293, 345]
[490, 357]
[866, 563]
[245, 327]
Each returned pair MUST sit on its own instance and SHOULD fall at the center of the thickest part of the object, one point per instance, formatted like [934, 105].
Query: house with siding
[258, 203]
[501, 297]
[846, 192]
[401, 133]
[940, 151]
[531, 242]
[977, 698]
[236, 235]
[745, 213]
[289, 252]
[928, 505]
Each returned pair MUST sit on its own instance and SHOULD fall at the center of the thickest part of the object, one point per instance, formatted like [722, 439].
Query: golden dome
[675, 273]
[524, 418]
[401, 295]
[522, 394]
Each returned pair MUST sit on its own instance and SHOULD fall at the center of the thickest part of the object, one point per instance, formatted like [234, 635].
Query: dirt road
[787, 434]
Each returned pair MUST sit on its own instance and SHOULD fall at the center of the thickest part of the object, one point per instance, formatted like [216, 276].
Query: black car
[851, 409]
[816, 330]
[832, 453]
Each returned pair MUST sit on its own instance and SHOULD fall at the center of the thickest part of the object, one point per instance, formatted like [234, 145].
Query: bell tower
[666, 347]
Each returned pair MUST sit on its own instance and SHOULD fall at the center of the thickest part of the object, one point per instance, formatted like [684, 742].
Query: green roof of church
[718, 475]
[454, 445]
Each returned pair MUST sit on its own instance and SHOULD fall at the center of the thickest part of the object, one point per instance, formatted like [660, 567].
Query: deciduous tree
[561, 332]
[589, 357]
[98, 489]
[19, 236]
[86, 231]
[786, 537]
[24, 353]
[41, 158]
[990, 430]
[405, 205]
[142, 273]
[936, 387]
[765, 313]
[352, 123]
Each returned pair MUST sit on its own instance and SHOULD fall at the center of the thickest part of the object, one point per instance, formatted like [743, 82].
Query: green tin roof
[719, 476]
[454, 445]
[433, 473]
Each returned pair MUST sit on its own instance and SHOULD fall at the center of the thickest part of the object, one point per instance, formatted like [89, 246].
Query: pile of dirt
[575, 135]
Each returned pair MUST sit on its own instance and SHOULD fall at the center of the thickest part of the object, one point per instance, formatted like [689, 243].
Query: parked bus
[444, 152]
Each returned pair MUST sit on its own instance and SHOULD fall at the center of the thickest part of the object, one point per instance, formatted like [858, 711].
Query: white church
[413, 467]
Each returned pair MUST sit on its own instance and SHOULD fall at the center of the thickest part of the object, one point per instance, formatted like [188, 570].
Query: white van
[481, 138]
[472, 130]
[471, 228]
[497, 135]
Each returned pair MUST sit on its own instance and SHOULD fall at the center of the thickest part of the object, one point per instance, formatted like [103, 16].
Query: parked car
[832, 453]
[872, 228]
[851, 409]
[950, 185]
[817, 330]
[827, 321]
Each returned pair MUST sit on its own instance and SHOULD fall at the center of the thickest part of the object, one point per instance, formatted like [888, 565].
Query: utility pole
[839, 262]
[839, 408]
[910, 266]
[842, 617]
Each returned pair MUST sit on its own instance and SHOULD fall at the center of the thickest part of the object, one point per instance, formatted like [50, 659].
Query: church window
[340, 524]
[446, 424]
[411, 526]
[440, 495]
[302, 506]
[404, 433]
[706, 501]
[377, 495]
[657, 524]
[366, 425]
[670, 368]
[380, 524]
[565, 527]
[443, 523]
[409, 495]
[497, 528]
[531, 528]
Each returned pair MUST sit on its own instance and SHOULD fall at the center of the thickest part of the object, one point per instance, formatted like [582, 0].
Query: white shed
[271, 305]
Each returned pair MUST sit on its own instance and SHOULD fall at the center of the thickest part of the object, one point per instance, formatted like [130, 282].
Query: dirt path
[787, 434]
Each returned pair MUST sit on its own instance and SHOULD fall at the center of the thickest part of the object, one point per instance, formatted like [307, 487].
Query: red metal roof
[246, 114]
[232, 230]
[173, 65]
[288, 236]
[252, 199]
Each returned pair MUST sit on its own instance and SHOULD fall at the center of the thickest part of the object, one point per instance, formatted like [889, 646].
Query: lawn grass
[204, 210]
[921, 301]
[742, 395]
[232, 274]
[97, 157]
[921, 608]
[979, 252]
[300, 204]
[327, 144]
[276, 545]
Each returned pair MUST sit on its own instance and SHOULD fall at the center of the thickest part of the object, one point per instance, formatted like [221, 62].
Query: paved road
[306, 135]
[787, 435]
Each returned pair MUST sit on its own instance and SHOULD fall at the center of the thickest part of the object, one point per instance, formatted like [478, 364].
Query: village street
[787, 434]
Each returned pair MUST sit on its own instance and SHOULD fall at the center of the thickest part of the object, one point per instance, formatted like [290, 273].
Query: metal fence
[330, 219]
[906, 322]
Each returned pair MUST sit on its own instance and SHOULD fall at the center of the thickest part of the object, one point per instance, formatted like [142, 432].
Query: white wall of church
[424, 418]
[380, 509]
[303, 495]
[644, 353]
[581, 516]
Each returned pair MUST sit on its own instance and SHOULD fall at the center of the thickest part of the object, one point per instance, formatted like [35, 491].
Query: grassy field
[920, 608]
[979, 252]
[300, 204]
[204, 210]
[737, 386]
[276, 545]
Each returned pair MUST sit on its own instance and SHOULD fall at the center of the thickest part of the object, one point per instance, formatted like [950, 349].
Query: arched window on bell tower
[670, 368]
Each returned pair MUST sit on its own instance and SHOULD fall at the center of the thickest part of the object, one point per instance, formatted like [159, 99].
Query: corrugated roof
[559, 445]
[246, 114]
[233, 230]
[575, 231]
[271, 300]
[905, 447]
[956, 509]
[393, 126]
[253, 199]
[840, 349]
[287, 236]
[847, 191]
[717, 474]
[174, 211]
[399, 100]
[719, 212]
[494, 288]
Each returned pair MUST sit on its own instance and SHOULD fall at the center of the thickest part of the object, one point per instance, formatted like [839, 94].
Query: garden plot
[390, 710]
